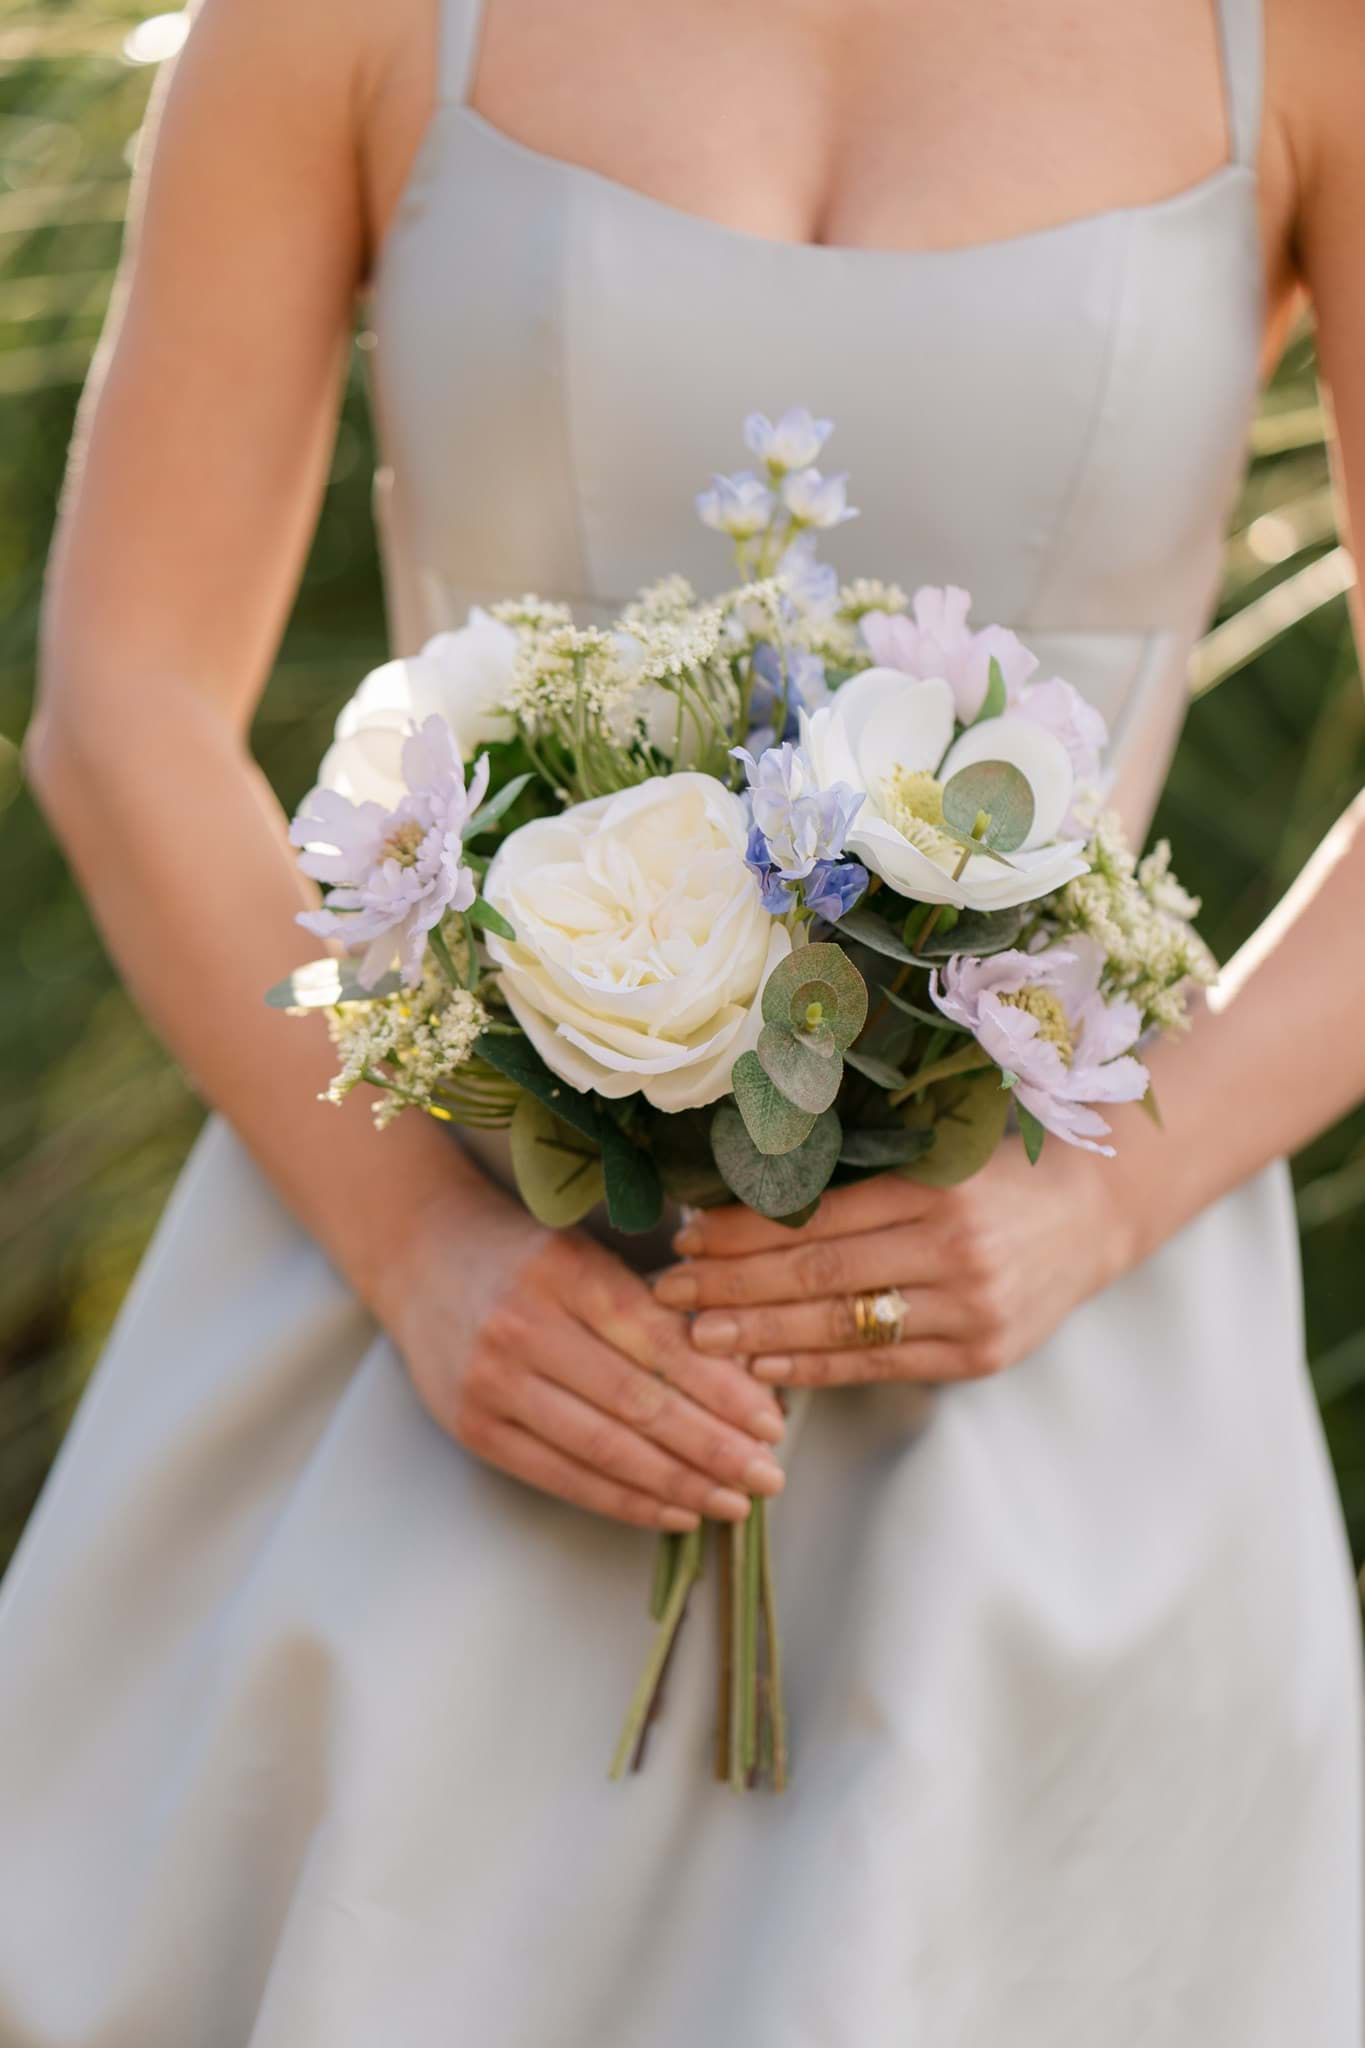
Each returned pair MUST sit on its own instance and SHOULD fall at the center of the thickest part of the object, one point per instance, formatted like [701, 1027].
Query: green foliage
[815, 987]
[323, 984]
[805, 1065]
[991, 804]
[773, 1123]
[776, 1184]
[967, 1115]
[559, 1171]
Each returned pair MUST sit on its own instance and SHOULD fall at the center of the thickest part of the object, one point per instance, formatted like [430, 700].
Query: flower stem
[642, 1699]
[739, 1541]
[753, 1560]
[725, 1660]
[665, 1565]
[776, 1723]
[444, 959]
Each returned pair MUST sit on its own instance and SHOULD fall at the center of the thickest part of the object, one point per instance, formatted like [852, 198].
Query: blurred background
[95, 1120]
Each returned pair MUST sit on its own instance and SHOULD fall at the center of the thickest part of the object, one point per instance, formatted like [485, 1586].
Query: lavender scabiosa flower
[800, 822]
[741, 505]
[1044, 1020]
[793, 441]
[393, 874]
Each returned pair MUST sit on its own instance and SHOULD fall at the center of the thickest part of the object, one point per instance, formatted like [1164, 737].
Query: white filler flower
[464, 676]
[641, 944]
[891, 735]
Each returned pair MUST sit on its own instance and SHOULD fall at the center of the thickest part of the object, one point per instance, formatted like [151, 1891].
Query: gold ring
[879, 1318]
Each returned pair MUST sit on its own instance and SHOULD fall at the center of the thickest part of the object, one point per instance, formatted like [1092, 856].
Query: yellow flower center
[403, 843]
[1053, 1024]
[911, 799]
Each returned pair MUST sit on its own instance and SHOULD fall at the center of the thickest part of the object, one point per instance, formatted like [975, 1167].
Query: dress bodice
[1056, 420]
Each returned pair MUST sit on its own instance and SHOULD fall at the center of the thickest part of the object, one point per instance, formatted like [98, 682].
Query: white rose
[641, 944]
[891, 736]
[463, 676]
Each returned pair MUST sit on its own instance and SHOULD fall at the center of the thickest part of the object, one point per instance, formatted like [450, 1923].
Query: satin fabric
[305, 1714]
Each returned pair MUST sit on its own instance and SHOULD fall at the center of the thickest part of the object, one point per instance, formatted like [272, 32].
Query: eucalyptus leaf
[774, 1122]
[880, 1071]
[967, 1115]
[1031, 1131]
[488, 919]
[489, 813]
[322, 984]
[559, 1171]
[885, 1148]
[798, 1217]
[823, 975]
[805, 1066]
[1000, 791]
[775, 1185]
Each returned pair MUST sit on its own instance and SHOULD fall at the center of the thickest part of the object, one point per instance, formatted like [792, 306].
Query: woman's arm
[990, 1269]
[200, 454]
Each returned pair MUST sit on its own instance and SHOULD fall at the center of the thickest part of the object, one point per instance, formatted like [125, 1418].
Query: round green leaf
[773, 1122]
[823, 974]
[777, 1186]
[996, 790]
[804, 1066]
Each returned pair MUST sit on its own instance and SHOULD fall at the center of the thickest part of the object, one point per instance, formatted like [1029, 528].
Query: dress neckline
[1231, 173]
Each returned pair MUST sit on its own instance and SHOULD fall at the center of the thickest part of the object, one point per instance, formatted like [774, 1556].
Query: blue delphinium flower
[805, 690]
[833, 887]
[800, 822]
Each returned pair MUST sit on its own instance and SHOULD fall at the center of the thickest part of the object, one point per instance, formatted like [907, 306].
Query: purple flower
[1041, 1017]
[740, 505]
[805, 690]
[792, 442]
[833, 887]
[830, 889]
[937, 641]
[801, 823]
[393, 875]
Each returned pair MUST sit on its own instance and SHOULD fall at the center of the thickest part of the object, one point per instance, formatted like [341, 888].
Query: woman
[311, 1658]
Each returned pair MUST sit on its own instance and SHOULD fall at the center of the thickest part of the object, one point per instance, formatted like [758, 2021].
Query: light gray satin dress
[305, 1714]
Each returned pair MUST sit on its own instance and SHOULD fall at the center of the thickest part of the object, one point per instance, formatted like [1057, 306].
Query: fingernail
[679, 1519]
[764, 1475]
[676, 1288]
[686, 1240]
[727, 1505]
[770, 1427]
[771, 1368]
[715, 1333]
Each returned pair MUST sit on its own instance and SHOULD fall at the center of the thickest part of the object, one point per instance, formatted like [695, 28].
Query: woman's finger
[647, 1404]
[526, 1457]
[903, 1256]
[929, 1359]
[828, 1325]
[735, 1232]
[603, 1445]
[618, 1307]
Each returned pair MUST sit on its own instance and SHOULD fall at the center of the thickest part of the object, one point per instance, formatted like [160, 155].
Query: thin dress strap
[1241, 33]
[461, 22]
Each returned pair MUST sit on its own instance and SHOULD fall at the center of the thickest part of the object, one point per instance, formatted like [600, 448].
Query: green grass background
[95, 1119]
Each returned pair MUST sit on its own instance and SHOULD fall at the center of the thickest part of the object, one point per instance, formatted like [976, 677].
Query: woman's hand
[987, 1270]
[544, 1355]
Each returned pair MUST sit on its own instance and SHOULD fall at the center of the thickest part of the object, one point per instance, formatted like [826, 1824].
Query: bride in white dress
[313, 1653]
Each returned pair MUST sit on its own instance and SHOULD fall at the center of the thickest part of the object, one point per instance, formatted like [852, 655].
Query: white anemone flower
[891, 736]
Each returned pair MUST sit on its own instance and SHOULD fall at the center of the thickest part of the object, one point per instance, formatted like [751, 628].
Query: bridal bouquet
[736, 899]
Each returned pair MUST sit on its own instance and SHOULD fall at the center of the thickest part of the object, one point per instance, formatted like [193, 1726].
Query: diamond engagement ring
[879, 1318]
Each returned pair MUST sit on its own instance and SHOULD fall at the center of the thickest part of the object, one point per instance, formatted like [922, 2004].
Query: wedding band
[879, 1318]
